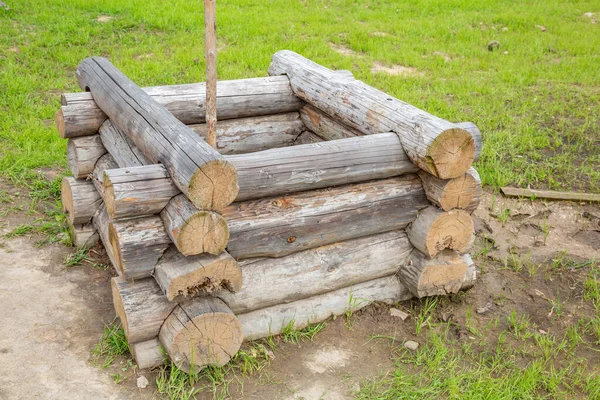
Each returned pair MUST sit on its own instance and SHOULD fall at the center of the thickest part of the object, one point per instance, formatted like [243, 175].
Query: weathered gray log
[271, 281]
[148, 354]
[476, 133]
[194, 231]
[210, 55]
[185, 277]
[120, 146]
[84, 235]
[463, 192]
[433, 144]
[105, 163]
[324, 126]
[137, 191]
[273, 320]
[435, 230]
[80, 200]
[82, 154]
[141, 306]
[137, 245]
[276, 226]
[439, 276]
[197, 169]
[248, 135]
[201, 332]
[80, 115]
[307, 137]
[318, 165]
[101, 221]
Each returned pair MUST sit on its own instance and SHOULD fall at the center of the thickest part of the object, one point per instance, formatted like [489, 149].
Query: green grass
[538, 106]
[112, 345]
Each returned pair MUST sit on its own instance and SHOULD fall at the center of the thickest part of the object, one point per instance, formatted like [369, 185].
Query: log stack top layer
[433, 144]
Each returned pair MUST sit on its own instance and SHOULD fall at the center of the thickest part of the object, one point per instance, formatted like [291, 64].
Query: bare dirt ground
[52, 316]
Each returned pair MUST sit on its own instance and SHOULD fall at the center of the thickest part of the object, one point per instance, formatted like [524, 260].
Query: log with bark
[82, 154]
[433, 144]
[80, 200]
[438, 276]
[81, 116]
[184, 277]
[277, 226]
[463, 192]
[435, 230]
[201, 332]
[319, 165]
[197, 169]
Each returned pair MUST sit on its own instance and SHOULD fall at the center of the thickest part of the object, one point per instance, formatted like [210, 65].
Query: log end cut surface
[451, 154]
[201, 332]
[59, 121]
[204, 232]
[214, 185]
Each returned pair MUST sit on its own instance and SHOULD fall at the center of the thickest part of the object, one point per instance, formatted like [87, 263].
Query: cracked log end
[201, 332]
[203, 232]
[214, 185]
[435, 230]
[440, 276]
[463, 192]
[450, 154]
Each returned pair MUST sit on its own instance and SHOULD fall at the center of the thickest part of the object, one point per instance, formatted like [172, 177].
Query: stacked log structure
[321, 189]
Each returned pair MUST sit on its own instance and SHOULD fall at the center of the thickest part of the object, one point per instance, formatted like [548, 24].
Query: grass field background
[538, 105]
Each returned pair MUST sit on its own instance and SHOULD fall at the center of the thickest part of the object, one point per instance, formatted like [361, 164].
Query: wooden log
[463, 192]
[197, 169]
[80, 200]
[141, 306]
[148, 354]
[210, 51]
[185, 277]
[318, 165]
[277, 226]
[137, 191]
[105, 163]
[194, 231]
[201, 332]
[477, 138]
[324, 126]
[120, 146]
[439, 276]
[81, 116]
[273, 320]
[137, 245]
[549, 194]
[248, 135]
[271, 281]
[101, 222]
[433, 144]
[82, 154]
[435, 230]
[84, 236]
[471, 274]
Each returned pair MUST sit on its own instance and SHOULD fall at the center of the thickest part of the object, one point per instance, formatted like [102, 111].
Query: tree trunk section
[194, 231]
[137, 245]
[201, 332]
[319, 165]
[197, 169]
[141, 307]
[106, 162]
[137, 191]
[277, 226]
[81, 116]
[476, 133]
[463, 192]
[439, 276]
[324, 126]
[317, 271]
[433, 144]
[148, 354]
[435, 230]
[80, 200]
[185, 277]
[83, 153]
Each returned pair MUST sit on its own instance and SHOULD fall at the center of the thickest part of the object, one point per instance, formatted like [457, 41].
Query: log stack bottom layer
[310, 206]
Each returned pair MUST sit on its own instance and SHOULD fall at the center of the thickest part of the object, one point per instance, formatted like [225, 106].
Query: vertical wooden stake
[210, 42]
